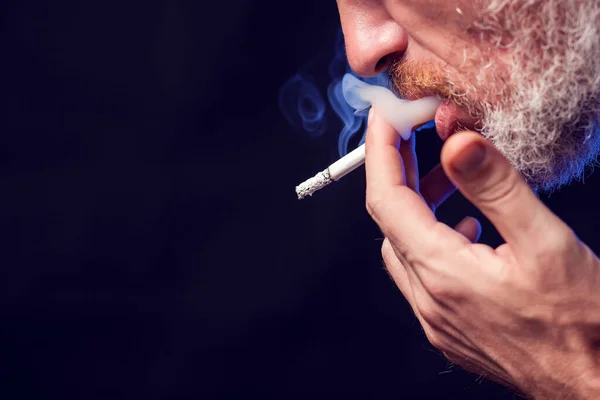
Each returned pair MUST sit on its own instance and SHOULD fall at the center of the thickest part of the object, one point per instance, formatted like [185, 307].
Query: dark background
[151, 242]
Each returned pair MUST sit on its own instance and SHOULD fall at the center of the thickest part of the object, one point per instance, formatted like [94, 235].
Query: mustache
[414, 79]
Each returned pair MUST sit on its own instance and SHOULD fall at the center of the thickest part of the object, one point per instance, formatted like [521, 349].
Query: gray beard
[543, 112]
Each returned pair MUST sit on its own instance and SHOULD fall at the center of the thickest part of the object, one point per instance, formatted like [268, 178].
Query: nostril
[382, 64]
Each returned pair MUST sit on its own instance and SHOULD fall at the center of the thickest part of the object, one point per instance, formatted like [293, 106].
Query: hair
[532, 81]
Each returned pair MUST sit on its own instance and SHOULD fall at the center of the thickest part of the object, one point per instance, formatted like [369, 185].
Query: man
[521, 79]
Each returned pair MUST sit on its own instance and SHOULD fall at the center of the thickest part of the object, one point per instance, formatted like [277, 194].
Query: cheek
[451, 53]
[436, 29]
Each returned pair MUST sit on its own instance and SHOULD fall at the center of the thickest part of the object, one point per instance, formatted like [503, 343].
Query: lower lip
[446, 118]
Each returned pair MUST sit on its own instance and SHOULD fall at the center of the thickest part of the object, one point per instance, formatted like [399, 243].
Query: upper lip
[461, 122]
[417, 94]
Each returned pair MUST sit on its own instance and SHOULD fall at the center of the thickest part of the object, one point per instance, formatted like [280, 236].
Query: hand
[526, 314]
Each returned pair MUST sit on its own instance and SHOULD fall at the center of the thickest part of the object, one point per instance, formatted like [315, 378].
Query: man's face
[524, 73]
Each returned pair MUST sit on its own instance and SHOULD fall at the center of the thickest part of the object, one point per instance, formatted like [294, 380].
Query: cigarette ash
[310, 186]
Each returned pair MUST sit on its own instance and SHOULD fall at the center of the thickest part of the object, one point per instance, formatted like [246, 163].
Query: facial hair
[534, 86]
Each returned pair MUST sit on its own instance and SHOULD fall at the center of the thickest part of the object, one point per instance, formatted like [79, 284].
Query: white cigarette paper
[403, 115]
[335, 171]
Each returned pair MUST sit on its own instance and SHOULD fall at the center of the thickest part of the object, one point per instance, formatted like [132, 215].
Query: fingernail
[370, 115]
[470, 159]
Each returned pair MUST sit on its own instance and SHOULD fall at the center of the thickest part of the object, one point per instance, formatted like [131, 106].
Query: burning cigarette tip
[310, 186]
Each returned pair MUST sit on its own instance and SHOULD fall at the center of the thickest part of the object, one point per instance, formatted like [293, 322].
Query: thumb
[489, 181]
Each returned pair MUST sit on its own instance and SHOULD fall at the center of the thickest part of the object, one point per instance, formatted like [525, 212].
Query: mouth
[450, 118]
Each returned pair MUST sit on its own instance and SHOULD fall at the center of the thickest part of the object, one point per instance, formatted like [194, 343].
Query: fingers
[487, 179]
[470, 228]
[435, 187]
[399, 211]
[383, 162]
[411, 166]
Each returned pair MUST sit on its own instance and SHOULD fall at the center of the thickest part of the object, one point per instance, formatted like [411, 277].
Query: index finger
[400, 212]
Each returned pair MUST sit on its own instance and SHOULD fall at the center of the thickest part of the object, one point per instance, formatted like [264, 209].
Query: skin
[525, 314]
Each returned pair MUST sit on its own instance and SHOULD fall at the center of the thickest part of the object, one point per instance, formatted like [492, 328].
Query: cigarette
[334, 172]
[403, 115]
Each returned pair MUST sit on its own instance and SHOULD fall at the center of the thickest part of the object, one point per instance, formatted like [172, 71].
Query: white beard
[547, 121]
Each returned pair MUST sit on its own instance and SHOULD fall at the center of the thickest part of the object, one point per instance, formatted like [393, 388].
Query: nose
[373, 39]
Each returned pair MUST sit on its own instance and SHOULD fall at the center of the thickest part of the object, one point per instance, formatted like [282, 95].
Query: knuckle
[561, 240]
[438, 291]
[443, 290]
[438, 237]
[373, 204]
[555, 245]
[431, 316]
[553, 259]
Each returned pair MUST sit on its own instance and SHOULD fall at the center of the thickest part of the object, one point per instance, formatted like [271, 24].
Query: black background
[152, 244]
